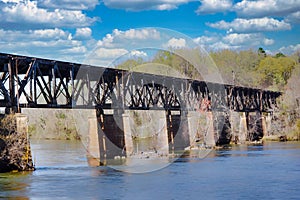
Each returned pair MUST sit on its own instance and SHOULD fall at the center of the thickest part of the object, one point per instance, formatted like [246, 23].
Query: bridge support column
[209, 138]
[235, 124]
[243, 129]
[192, 119]
[255, 126]
[127, 134]
[162, 137]
[264, 125]
[93, 142]
[22, 123]
[145, 131]
[268, 123]
[222, 127]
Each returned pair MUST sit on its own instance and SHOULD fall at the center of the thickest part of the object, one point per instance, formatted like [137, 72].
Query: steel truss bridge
[28, 82]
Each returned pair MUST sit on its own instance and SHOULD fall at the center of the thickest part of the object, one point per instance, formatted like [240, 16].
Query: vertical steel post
[11, 85]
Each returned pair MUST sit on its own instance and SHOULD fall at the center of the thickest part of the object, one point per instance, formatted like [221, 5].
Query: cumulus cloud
[233, 41]
[104, 53]
[222, 45]
[119, 43]
[46, 43]
[214, 6]
[206, 39]
[251, 25]
[288, 50]
[24, 14]
[176, 43]
[83, 33]
[69, 4]
[262, 8]
[254, 39]
[134, 5]
[293, 18]
[54, 34]
[136, 53]
[268, 42]
[129, 37]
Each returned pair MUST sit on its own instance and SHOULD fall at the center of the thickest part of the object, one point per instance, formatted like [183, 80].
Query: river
[269, 171]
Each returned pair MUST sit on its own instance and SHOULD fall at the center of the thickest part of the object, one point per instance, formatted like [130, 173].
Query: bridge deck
[42, 83]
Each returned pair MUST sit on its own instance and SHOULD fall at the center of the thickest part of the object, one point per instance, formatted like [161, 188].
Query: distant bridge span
[41, 83]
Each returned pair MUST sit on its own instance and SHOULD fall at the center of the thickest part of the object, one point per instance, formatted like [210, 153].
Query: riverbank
[15, 152]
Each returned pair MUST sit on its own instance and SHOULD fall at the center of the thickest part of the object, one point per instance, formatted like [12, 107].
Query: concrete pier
[162, 136]
[209, 137]
[21, 123]
[93, 148]
[192, 118]
[243, 129]
[235, 126]
[127, 134]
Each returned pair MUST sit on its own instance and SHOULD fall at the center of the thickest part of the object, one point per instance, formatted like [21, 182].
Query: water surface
[269, 171]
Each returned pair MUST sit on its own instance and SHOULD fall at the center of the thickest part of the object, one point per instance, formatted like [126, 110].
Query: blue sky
[75, 30]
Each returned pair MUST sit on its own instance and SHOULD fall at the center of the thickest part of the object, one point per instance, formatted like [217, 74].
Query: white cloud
[206, 39]
[24, 14]
[110, 53]
[47, 43]
[214, 6]
[140, 34]
[175, 43]
[222, 45]
[134, 5]
[119, 43]
[83, 33]
[11, 1]
[240, 39]
[69, 4]
[247, 40]
[32, 35]
[251, 25]
[288, 50]
[233, 41]
[50, 34]
[74, 50]
[131, 37]
[293, 18]
[136, 53]
[262, 8]
[268, 42]
[105, 56]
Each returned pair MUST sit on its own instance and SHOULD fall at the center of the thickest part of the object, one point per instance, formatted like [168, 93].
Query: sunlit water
[269, 171]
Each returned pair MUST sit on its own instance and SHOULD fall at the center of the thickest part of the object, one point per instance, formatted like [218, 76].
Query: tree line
[251, 68]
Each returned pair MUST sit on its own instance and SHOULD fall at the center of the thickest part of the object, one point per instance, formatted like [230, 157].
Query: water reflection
[14, 185]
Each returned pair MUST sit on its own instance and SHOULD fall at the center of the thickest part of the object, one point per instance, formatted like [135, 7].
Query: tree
[130, 64]
[278, 55]
[275, 71]
[261, 52]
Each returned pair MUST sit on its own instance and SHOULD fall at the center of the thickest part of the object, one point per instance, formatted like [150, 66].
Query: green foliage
[246, 68]
[261, 52]
[242, 63]
[275, 71]
[130, 64]
[298, 125]
[278, 55]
